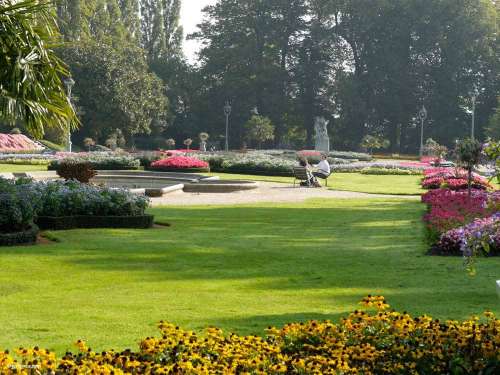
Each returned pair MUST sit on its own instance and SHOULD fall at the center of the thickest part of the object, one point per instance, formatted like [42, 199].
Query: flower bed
[480, 237]
[180, 164]
[24, 202]
[358, 156]
[252, 163]
[452, 178]
[390, 171]
[375, 342]
[450, 210]
[98, 161]
[18, 143]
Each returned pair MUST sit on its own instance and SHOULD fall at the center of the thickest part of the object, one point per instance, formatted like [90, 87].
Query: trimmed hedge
[87, 221]
[101, 162]
[25, 237]
[393, 172]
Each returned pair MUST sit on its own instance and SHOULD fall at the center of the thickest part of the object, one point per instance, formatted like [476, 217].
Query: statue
[322, 141]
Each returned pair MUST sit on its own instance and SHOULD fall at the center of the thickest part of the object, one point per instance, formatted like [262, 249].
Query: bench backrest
[300, 173]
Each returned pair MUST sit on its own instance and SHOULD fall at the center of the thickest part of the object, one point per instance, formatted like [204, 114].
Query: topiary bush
[81, 171]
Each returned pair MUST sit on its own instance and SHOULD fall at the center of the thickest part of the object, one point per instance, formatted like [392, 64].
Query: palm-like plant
[31, 89]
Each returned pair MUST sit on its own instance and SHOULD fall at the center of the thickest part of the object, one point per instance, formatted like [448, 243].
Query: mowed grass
[241, 268]
[357, 182]
[18, 168]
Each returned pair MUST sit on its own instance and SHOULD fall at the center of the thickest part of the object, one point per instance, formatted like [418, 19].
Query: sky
[190, 17]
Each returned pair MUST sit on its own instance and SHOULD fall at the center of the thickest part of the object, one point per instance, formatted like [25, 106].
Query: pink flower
[179, 162]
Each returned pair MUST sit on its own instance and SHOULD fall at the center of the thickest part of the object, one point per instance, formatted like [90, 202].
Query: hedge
[25, 237]
[364, 342]
[101, 162]
[179, 170]
[87, 221]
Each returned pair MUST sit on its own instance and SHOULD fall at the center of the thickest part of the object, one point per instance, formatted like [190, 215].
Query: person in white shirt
[323, 169]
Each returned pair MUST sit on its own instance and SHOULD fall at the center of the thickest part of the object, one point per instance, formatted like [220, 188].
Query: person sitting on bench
[323, 169]
[311, 180]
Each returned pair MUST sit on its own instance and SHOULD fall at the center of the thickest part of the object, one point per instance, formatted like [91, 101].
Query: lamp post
[69, 83]
[227, 112]
[422, 115]
[255, 111]
[475, 94]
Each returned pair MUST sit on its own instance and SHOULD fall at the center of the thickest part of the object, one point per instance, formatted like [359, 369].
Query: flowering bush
[454, 179]
[376, 342]
[480, 237]
[179, 162]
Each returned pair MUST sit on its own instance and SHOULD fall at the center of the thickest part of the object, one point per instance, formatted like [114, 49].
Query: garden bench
[300, 174]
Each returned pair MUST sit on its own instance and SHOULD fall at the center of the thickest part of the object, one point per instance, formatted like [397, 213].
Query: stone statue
[322, 141]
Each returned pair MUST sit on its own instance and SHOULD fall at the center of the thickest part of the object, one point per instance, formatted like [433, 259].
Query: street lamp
[474, 96]
[69, 83]
[255, 111]
[227, 112]
[422, 115]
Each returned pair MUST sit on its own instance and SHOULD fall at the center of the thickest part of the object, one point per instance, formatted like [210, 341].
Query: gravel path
[266, 192]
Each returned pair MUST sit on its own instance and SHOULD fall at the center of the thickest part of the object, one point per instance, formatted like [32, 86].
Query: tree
[259, 129]
[170, 142]
[88, 142]
[493, 128]
[373, 142]
[469, 154]
[188, 142]
[115, 87]
[30, 79]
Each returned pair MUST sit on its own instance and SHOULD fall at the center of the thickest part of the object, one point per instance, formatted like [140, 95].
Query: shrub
[16, 143]
[100, 161]
[364, 342]
[337, 154]
[75, 170]
[73, 198]
[387, 171]
[452, 178]
[179, 163]
[18, 205]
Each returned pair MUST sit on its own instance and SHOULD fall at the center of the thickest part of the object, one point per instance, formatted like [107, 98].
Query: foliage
[30, 80]
[298, 59]
[188, 142]
[255, 163]
[203, 136]
[88, 142]
[365, 341]
[100, 161]
[15, 131]
[25, 161]
[17, 207]
[180, 162]
[372, 142]
[259, 129]
[391, 171]
[51, 145]
[73, 198]
[76, 170]
[115, 90]
[492, 151]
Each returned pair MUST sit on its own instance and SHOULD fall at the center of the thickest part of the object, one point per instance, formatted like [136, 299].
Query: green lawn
[9, 168]
[375, 184]
[241, 268]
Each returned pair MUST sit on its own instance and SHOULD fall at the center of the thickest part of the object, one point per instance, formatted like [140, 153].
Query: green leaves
[30, 79]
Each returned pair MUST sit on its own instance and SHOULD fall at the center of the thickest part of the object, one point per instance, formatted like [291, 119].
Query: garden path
[266, 192]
